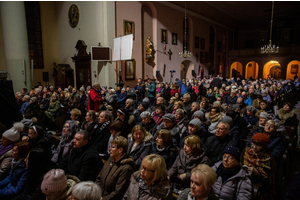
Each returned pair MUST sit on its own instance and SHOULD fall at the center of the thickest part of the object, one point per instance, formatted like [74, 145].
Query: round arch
[251, 70]
[236, 69]
[272, 69]
[293, 69]
[186, 68]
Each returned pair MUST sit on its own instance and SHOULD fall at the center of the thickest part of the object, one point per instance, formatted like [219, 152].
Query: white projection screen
[124, 45]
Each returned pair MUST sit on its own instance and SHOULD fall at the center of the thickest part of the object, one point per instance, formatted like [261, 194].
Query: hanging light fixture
[185, 53]
[270, 48]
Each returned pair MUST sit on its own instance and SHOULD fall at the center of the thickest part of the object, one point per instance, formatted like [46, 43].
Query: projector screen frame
[110, 53]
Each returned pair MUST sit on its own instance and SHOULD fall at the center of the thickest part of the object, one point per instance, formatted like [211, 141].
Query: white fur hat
[13, 134]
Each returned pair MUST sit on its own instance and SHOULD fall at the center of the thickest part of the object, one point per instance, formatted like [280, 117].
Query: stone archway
[186, 68]
[293, 69]
[236, 69]
[251, 70]
[272, 69]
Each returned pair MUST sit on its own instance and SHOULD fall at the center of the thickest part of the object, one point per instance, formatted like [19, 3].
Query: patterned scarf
[103, 126]
[260, 160]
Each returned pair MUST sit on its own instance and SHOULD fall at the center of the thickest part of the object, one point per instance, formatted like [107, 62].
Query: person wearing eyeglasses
[276, 145]
[151, 181]
[65, 145]
[233, 181]
[114, 177]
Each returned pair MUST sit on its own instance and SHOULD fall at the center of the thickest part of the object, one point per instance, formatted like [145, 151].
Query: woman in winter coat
[151, 181]
[53, 107]
[181, 121]
[114, 177]
[287, 115]
[147, 122]
[232, 181]
[16, 181]
[260, 163]
[163, 146]
[65, 145]
[202, 180]
[189, 157]
[9, 138]
[139, 144]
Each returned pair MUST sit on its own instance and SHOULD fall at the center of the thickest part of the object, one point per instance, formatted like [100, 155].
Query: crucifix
[196, 57]
[170, 54]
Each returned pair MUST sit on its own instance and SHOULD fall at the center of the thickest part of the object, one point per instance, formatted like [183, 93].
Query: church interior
[51, 41]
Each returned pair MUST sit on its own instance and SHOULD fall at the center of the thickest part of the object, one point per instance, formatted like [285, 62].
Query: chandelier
[270, 48]
[185, 53]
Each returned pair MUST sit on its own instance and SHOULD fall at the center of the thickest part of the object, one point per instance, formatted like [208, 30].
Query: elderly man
[194, 107]
[186, 102]
[25, 104]
[18, 97]
[242, 105]
[251, 93]
[216, 144]
[84, 161]
[95, 97]
[247, 100]
[129, 106]
[169, 123]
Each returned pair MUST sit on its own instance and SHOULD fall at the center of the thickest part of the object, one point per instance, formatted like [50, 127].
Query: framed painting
[294, 69]
[196, 42]
[73, 15]
[128, 27]
[164, 35]
[130, 69]
[174, 38]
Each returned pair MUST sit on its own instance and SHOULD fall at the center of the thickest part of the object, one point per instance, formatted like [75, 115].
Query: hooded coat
[183, 164]
[143, 149]
[226, 190]
[287, 119]
[114, 177]
[160, 190]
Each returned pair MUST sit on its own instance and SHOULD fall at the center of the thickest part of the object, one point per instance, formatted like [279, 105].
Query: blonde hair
[159, 166]
[75, 112]
[138, 127]
[205, 174]
[120, 142]
[181, 111]
[194, 143]
[180, 103]
[273, 123]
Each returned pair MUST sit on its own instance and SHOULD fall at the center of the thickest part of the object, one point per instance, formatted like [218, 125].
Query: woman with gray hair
[65, 145]
[86, 190]
[147, 122]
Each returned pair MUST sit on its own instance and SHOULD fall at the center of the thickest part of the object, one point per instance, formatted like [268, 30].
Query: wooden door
[83, 74]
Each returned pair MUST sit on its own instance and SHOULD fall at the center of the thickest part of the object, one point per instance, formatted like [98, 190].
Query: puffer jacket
[5, 164]
[15, 182]
[114, 177]
[143, 149]
[174, 132]
[187, 163]
[160, 190]
[225, 190]
[52, 109]
[187, 195]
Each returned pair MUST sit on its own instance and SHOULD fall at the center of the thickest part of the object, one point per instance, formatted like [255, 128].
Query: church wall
[2, 53]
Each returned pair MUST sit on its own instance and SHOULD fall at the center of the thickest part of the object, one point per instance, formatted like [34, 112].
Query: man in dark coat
[84, 161]
[215, 145]
[140, 90]
[216, 82]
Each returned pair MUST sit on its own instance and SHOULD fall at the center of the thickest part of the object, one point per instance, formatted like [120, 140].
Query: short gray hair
[107, 114]
[87, 190]
[130, 100]
[227, 125]
[187, 96]
[27, 97]
[96, 84]
[85, 134]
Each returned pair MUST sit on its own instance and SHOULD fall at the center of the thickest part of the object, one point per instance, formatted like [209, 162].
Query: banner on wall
[123, 48]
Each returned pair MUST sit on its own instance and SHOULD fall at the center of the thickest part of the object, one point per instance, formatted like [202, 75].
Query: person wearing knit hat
[265, 115]
[200, 115]
[169, 116]
[233, 181]
[260, 139]
[216, 104]
[146, 114]
[197, 123]
[34, 99]
[228, 120]
[251, 109]
[54, 184]
[13, 134]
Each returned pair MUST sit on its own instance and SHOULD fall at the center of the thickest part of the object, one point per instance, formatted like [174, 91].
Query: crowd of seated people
[211, 138]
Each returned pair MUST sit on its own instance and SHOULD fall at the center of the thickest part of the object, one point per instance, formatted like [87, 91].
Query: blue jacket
[121, 98]
[182, 86]
[267, 98]
[151, 89]
[248, 101]
[23, 107]
[250, 120]
[15, 182]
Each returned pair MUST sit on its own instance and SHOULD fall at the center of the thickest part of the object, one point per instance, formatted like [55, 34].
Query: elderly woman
[264, 106]
[163, 146]
[232, 181]
[111, 96]
[287, 115]
[65, 145]
[260, 163]
[195, 128]
[202, 180]
[171, 104]
[151, 181]
[260, 124]
[114, 177]
[147, 122]
[90, 121]
[177, 104]
[86, 190]
[276, 145]
[250, 117]
[189, 157]
[181, 121]
[15, 182]
[9, 138]
[53, 107]
[139, 144]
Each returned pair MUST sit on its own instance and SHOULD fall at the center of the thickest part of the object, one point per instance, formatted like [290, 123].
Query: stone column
[15, 43]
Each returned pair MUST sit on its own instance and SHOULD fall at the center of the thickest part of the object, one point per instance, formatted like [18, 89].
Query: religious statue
[149, 49]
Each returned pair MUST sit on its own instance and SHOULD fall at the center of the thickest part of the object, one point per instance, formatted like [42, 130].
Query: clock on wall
[73, 15]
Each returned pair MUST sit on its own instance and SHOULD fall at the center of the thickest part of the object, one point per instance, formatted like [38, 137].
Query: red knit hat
[263, 139]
